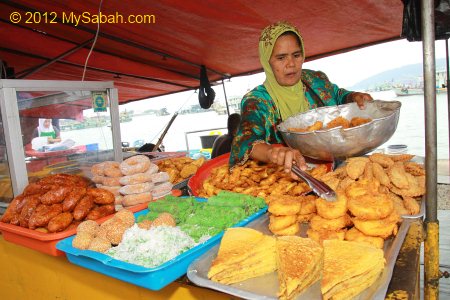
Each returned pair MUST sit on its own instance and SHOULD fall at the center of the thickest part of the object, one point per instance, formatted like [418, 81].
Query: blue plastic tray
[149, 278]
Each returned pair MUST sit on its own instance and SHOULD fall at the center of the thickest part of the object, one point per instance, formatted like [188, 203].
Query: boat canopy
[163, 53]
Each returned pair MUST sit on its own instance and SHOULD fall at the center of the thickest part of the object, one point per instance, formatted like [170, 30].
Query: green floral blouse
[259, 115]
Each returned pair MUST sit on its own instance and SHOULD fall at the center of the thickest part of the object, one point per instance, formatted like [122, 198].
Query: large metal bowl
[337, 143]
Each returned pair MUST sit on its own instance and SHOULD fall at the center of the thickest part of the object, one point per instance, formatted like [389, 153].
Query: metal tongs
[318, 187]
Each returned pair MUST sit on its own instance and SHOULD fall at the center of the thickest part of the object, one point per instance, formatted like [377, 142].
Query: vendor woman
[46, 128]
[287, 90]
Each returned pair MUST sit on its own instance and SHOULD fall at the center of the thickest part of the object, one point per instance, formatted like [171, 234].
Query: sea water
[410, 130]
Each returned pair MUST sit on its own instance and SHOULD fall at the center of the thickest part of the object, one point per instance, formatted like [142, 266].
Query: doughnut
[281, 222]
[133, 199]
[159, 177]
[318, 223]
[100, 196]
[283, 205]
[135, 164]
[290, 230]
[137, 178]
[111, 181]
[98, 169]
[371, 207]
[162, 189]
[112, 169]
[136, 188]
[332, 210]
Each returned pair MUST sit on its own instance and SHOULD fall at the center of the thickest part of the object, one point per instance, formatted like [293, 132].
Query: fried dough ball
[291, 230]
[126, 216]
[319, 223]
[164, 219]
[281, 222]
[82, 240]
[89, 226]
[332, 210]
[355, 235]
[146, 224]
[371, 207]
[321, 235]
[99, 244]
[115, 232]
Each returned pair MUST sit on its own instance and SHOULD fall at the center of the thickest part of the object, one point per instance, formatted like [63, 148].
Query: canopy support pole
[226, 100]
[447, 66]
[431, 278]
[37, 68]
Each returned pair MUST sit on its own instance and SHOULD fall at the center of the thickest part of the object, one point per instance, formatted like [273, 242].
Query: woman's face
[286, 60]
[47, 123]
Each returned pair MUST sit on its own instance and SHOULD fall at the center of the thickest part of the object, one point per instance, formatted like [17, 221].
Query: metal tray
[266, 287]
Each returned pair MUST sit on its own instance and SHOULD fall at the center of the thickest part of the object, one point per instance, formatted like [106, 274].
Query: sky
[345, 70]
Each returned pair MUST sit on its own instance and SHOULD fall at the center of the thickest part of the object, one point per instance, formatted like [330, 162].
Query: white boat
[408, 91]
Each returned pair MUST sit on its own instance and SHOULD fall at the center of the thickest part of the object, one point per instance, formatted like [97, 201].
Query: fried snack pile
[58, 202]
[134, 181]
[102, 237]
[336, 122]
[256, 179]
[180, 168]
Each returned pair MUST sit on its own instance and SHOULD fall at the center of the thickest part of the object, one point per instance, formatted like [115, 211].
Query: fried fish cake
[332, 210]
[355, 235]
[291, 230]
[318, 223]
[284, 205]
[281, 222]
[371, 207]
[382, 227]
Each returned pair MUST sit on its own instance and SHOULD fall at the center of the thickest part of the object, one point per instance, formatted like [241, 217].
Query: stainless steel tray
[266, 287]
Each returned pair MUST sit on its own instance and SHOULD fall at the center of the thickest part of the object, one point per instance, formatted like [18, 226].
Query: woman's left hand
[360, 99]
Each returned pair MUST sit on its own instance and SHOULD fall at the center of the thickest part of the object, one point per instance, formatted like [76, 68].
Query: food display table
[28, 274]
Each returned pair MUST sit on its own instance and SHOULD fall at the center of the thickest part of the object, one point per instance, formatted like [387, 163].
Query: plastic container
[92, 147]
[44, 242]
[150, 278]
[397, 149]
[208, 140]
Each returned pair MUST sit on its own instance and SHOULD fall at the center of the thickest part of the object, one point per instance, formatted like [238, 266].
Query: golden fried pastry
[339, 121]
[401, 157]
[382, 159]
[308, 204]
[99, 244]
[291, 230]
[397, 175]
[415, 188]
[355, 168]
[318, 223]
[82, 240]
[414, 168]
[188, 170]
[370, 207]
[89, 226]
[332, 210]
[399, 207]
[368, 171]
[380, 174]
[282, 205]
[345, 183]
[322, 235]
[382, 227]
[281, 222]
[411, 205]
[355, 235]
[357, 121]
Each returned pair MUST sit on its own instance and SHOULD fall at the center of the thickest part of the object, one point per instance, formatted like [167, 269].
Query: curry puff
[349, 268]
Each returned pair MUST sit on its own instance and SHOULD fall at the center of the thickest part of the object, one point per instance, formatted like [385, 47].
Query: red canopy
[163, 56]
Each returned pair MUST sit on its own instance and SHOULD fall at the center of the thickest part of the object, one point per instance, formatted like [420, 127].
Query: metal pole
[431, 277]
[59, 57]
[226, 100]
[447, 66]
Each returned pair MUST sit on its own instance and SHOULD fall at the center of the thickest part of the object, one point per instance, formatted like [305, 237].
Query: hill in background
[408, 75]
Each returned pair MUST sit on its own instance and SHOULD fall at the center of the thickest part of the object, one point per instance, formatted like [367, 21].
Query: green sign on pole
[99, 101]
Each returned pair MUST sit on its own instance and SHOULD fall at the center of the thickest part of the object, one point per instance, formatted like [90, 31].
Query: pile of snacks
[180, 168]
[58, 202]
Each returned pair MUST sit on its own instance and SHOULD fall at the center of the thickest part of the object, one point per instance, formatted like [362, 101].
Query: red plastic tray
[40, 241]
[196, 181]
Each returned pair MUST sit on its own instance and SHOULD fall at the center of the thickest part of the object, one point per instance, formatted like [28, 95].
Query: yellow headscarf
[289, 100]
